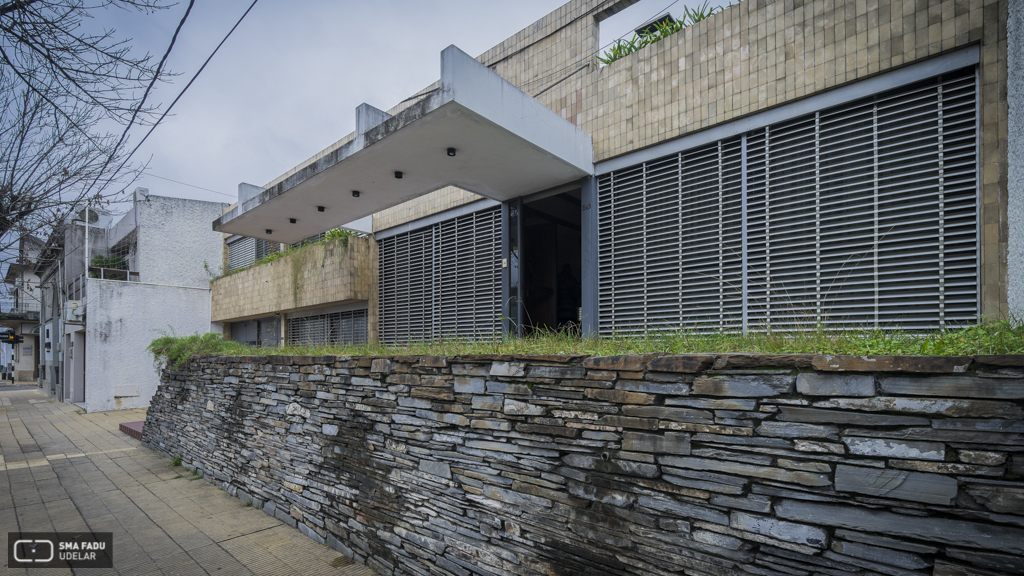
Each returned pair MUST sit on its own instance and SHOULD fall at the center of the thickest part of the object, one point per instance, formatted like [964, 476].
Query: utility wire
[534, 81]
[187, 86]
[190, 185]
[561, 80]
[585, 60]
[142, 102]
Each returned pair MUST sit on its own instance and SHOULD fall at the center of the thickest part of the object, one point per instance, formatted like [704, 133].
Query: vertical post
[505, 259]
[40, 341]
[942, 219]
[512, 246]
[589, 246]
[875, 238]
[85, 250]
[743, 224]
[817, 219]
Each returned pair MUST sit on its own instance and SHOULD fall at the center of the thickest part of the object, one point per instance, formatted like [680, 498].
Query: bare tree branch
[60, 83]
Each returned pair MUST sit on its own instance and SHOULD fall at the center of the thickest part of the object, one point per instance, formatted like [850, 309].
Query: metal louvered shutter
[443, 280]
[348, 327]
[670, 240]
[265, 248]
[241, 253]
[405, 286]
[863, 215]
[468, 275]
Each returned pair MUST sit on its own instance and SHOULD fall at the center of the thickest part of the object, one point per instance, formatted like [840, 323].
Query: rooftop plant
[996, 337]
[335, 235]
[657, 31]
[113, 261]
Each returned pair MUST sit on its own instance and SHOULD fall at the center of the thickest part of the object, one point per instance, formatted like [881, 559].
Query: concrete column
[588, 201]
[372, 316]
[1015, 159]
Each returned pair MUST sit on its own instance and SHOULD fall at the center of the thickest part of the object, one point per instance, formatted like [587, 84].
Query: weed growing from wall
[658, 31]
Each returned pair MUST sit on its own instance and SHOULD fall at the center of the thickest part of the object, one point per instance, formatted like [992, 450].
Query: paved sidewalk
[64, 470]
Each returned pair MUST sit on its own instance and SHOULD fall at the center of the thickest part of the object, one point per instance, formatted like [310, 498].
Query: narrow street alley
[64, 470]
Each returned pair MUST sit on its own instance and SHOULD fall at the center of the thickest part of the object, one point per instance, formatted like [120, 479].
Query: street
[64, 470]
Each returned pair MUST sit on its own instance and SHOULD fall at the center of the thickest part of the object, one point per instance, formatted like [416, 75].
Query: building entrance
[551, 262]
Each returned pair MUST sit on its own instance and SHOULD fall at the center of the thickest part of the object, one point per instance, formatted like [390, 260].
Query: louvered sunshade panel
[670, 242]
[469, 275]
[861, 215]
[452, 289]
[347, 327]
[241, 253]
[486, 286]
[406, 300]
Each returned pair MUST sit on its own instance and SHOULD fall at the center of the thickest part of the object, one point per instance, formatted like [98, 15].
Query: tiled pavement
[61, 469]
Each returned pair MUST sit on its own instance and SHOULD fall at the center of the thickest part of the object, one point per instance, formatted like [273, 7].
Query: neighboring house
[778, 165]
[146, 274]
[19, 311]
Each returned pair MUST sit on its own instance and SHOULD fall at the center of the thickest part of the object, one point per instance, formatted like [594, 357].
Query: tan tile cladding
[752, 56]
[758, 54]
[320, 275]
[436, 201]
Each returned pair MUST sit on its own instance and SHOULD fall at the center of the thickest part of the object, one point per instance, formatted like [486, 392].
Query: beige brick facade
[437, 201]
[317, 276]
[752, 56]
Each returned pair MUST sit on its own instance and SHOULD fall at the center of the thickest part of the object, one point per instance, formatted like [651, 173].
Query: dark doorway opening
[552, 262]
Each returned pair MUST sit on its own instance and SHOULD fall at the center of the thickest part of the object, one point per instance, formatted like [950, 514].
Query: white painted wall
[176, 238]
[1015, 158]
[25, 361]
[121, 320]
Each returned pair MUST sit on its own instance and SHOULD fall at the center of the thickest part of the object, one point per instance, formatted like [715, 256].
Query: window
[244, 252]
[442, 281]
[864, 215]
[332, 328]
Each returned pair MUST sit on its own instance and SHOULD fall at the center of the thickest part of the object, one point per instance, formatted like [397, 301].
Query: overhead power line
[190, 185]
[142, 102]
[187, 86]
[530, 83]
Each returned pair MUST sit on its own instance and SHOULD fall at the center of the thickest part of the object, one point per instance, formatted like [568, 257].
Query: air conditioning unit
[74, 310]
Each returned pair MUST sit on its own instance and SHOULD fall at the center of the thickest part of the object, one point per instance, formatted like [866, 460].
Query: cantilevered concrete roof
[507, 144]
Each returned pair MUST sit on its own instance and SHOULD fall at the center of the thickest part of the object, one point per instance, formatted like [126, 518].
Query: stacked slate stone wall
[648, 464]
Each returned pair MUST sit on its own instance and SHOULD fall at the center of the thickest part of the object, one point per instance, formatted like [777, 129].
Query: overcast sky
[287, 82]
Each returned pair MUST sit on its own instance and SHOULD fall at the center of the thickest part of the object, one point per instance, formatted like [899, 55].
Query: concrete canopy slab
[507, 145]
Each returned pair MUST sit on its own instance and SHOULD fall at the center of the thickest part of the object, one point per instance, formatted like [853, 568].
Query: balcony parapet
[335, 272]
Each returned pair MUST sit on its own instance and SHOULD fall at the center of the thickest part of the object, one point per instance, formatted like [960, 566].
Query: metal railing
[76, 288]
[113, 274]
[12, 306]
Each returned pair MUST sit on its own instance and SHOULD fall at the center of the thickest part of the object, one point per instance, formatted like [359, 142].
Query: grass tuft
[333, 235]
[997, 337]
[172, 351]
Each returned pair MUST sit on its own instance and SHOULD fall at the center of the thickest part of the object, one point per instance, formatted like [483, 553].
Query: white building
[19, 313]
[147, 274]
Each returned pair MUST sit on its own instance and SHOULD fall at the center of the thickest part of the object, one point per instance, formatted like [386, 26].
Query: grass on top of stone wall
[999, 337]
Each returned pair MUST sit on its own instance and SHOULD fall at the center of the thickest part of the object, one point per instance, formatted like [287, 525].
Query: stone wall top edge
[660, 362]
